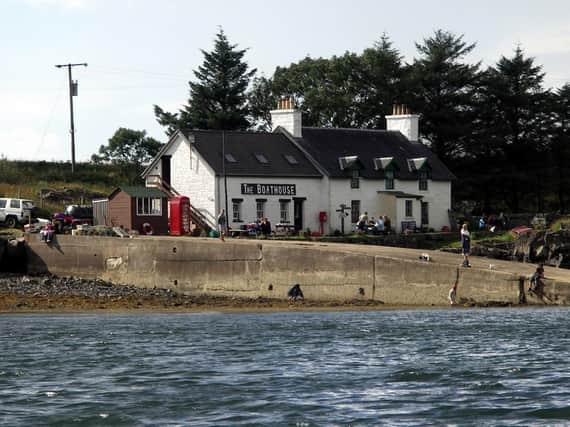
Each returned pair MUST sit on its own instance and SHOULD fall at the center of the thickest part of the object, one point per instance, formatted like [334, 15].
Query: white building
[295, 173]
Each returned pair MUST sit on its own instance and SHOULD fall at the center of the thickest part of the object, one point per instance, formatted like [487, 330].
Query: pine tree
[561, 144]
[383, 83]
[520, 123]
[442, 88]
[218, 96]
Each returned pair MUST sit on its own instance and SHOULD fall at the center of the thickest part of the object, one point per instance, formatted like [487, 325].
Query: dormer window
[261, 158]
[230, 158]
[348, 162]
[355, 179]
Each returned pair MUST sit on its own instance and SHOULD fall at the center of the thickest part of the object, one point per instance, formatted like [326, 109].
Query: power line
[50, 117]
[145, 72]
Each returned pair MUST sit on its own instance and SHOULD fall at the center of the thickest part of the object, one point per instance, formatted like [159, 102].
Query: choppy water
[436, 367]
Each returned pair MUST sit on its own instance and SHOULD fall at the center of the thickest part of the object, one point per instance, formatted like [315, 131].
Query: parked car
[15, 211]
[73, 216]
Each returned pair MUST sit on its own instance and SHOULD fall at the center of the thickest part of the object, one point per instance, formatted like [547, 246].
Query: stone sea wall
[250, 268]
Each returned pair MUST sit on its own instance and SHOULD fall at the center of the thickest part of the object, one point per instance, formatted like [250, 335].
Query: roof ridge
[353, 129]
[247, 132]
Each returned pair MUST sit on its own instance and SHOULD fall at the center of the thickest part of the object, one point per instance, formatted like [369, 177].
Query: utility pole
[72, 93]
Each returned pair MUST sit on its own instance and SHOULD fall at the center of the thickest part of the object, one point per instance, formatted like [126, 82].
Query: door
[425, 214]
[165, 169]
[298, 214]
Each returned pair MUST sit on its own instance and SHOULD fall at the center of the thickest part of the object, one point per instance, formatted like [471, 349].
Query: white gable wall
[194, 178]
[191, 176]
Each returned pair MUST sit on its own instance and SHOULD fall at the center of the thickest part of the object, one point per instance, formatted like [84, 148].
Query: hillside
[28, 180]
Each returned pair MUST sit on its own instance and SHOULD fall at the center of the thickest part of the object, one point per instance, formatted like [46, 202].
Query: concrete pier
[326, 271]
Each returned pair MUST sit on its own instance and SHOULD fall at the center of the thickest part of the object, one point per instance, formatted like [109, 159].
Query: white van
[15, 211]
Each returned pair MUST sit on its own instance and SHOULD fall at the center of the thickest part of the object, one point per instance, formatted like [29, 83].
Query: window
[236, 210]
[260, 208]
[261, 158]
[423, 180]
[409, 208]
[355, 179]
[2, 204]
[14, 203]
[284, 210]
[230, 158]
[354, 211]
[292, 160]
[389, 179]
[149, 206]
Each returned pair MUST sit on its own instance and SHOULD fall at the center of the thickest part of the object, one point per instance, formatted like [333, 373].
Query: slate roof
[140, 192]
[245, 148]
[327, 145]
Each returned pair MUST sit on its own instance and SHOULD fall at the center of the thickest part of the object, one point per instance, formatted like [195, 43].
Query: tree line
[498, 129]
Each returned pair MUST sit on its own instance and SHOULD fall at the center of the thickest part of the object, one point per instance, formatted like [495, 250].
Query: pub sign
[269, 189]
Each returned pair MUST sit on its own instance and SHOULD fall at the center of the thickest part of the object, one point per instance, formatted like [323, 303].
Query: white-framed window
[354, 211]
[355, 179]
[409, 208]
[284, 210]
[260, 209]
[149, 206]
[236, 210]
[423, 180]
[389, 180]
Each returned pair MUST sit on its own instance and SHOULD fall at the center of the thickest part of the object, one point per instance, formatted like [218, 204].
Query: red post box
[322, 220]
[180, 215]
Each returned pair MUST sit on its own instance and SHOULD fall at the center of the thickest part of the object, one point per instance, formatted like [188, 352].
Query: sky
[143, 52]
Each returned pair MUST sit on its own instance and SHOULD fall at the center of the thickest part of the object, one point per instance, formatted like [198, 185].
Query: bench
[408, 225]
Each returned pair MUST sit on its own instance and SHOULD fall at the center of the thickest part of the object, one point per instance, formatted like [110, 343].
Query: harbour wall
[254, 268]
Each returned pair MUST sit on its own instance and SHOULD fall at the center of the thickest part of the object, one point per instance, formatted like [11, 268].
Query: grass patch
[476, 237]
[560, 224]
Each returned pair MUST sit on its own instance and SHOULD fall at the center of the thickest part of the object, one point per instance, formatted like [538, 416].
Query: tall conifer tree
[218, 96]
[442, 89]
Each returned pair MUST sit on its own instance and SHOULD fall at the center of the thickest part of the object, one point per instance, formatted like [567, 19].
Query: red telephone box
[180, 215]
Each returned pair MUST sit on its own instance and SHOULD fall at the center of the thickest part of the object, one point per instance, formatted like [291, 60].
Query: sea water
[402, 367]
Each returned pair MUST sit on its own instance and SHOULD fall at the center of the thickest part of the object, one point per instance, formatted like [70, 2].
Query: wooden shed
[136, 207]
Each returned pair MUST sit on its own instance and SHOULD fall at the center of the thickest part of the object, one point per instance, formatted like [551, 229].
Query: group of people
[493, 222]
[380, 225]
[260, 226]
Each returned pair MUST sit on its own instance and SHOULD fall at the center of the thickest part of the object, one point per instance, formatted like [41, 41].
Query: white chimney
[401, 120]
[287, 117]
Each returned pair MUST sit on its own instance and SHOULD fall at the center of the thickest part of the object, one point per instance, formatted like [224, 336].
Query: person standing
[465, 245]
[222, 223]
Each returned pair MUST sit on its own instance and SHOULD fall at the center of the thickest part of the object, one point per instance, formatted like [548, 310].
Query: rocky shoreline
[25, 293]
